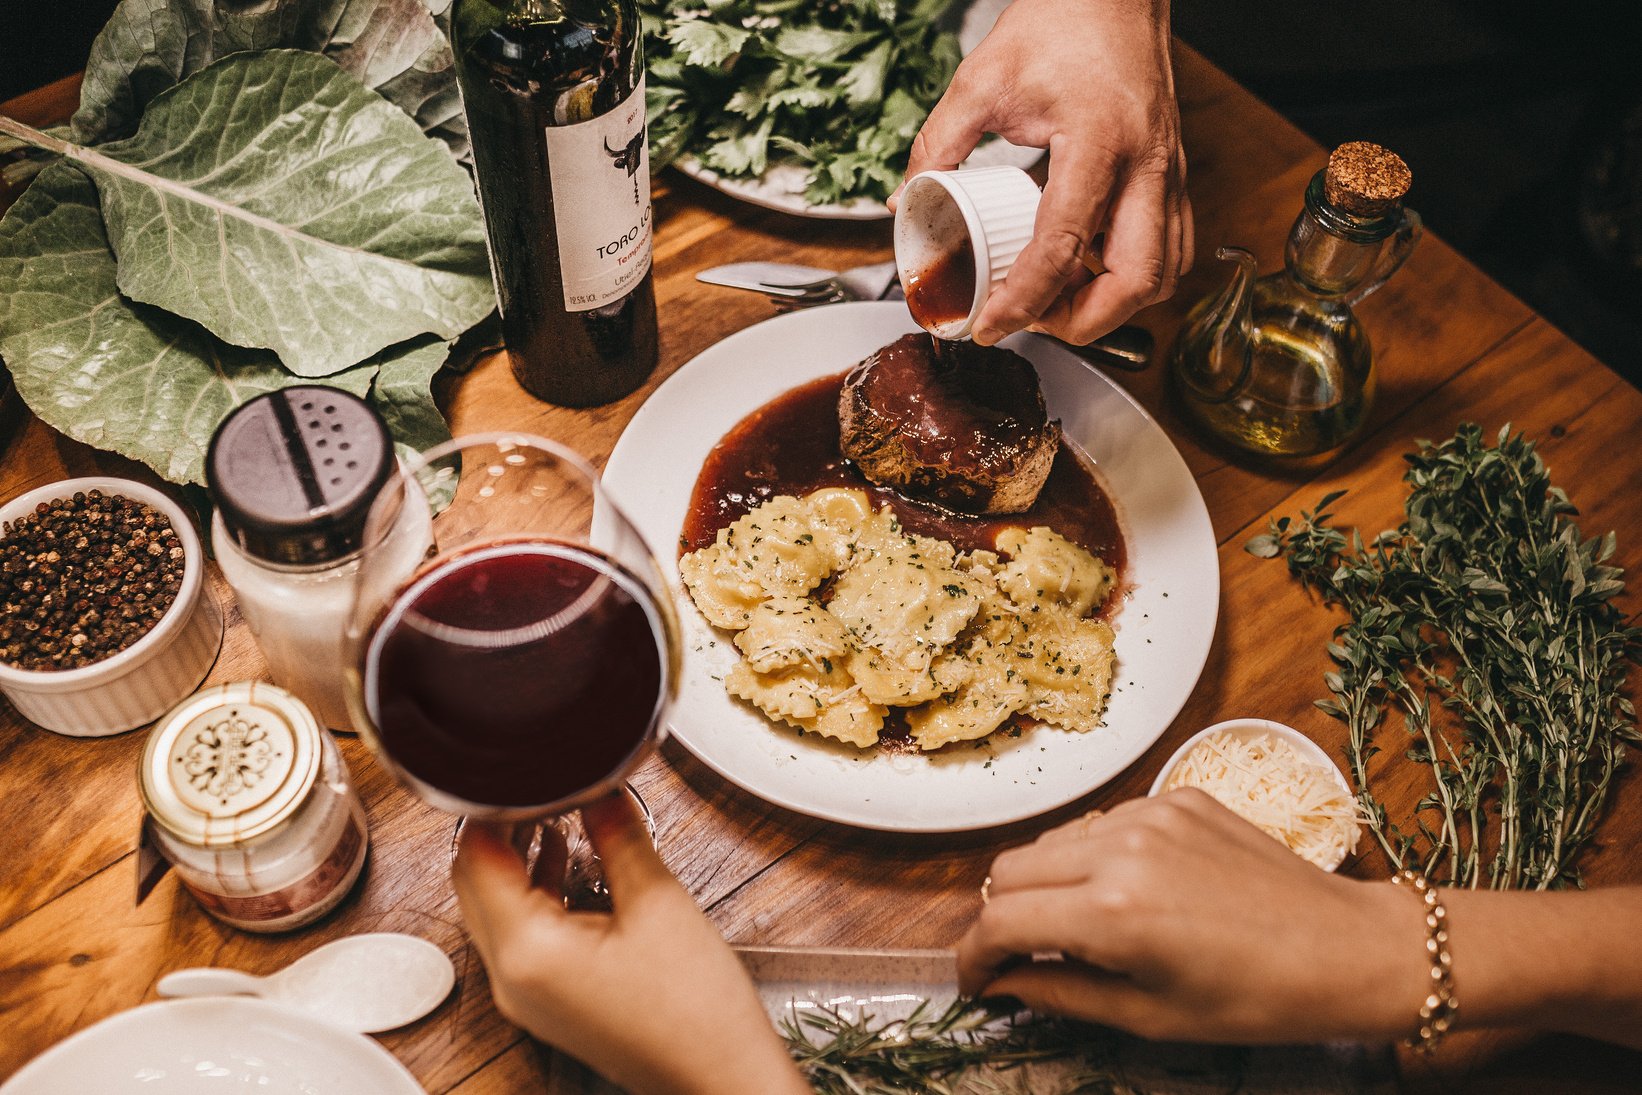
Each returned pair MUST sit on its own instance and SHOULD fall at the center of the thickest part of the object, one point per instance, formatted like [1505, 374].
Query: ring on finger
[1092, 255]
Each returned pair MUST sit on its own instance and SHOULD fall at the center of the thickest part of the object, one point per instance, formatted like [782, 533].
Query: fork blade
[869, 282]
[792, 303]
[1129, 347]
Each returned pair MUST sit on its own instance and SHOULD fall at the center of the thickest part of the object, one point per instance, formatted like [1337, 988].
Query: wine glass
[512, 648]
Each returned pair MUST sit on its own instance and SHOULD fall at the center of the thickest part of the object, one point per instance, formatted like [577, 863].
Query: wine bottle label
[601, 199]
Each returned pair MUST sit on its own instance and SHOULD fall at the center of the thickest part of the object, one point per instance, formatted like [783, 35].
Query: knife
[784, 279]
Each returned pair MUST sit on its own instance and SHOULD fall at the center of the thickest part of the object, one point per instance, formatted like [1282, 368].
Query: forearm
[1566, 962]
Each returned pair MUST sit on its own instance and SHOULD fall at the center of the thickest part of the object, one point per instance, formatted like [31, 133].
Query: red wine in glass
[519, 676]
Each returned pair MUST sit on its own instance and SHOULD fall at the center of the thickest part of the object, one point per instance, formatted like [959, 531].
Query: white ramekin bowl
[1246, 730]
[996, 207]
[143, 681]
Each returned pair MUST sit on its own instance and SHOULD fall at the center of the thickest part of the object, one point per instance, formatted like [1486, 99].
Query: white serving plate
[1165, 624]
[213, 1045]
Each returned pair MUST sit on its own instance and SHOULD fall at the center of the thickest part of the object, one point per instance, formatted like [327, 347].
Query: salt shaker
[293, 474]
[251, 803]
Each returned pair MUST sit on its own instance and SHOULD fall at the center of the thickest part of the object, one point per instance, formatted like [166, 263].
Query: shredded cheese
[840, 697]
[1266, 782]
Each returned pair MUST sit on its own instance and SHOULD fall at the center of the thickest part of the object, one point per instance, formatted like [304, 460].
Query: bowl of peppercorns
[106, 619]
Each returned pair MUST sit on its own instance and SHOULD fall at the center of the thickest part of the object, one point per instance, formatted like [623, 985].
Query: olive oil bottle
[1280, 365]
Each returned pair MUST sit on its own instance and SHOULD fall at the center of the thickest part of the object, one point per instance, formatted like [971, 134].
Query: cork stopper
[1365, 180]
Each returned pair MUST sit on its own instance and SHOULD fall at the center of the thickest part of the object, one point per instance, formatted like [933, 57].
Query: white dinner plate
[1164, 625]
[212, 1046]
[781, 186]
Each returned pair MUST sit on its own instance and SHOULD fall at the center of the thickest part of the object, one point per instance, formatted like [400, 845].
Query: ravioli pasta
[839, 615]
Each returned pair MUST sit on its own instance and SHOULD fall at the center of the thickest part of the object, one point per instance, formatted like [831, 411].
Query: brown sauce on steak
[956, 404]
[790, 446]
[953, 423]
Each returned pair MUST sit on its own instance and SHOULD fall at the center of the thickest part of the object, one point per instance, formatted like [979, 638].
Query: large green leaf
[394, 46]
[277, 201]
[120, 375]
[403, 393]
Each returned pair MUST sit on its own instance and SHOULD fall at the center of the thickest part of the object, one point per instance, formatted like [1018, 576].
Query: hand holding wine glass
[649, 994]
[527, 668]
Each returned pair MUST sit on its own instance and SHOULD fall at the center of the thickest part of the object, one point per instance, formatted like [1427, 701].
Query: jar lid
[230, 763]
[293, 473]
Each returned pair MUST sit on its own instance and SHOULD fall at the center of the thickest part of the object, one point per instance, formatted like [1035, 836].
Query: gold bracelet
[1438, 1008]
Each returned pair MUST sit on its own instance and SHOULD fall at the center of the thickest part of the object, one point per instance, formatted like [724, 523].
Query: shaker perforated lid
[230, 763]
[293, 473]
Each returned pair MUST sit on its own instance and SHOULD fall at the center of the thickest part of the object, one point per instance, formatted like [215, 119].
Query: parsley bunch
[839, 86]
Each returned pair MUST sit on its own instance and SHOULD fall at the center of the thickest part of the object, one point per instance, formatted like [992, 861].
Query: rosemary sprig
[1486, 621]
[967, 1048]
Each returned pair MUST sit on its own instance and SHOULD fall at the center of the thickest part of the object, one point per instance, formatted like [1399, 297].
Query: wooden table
[1452, 346]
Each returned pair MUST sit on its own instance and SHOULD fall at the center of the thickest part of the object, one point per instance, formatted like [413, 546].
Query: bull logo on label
[628, 157]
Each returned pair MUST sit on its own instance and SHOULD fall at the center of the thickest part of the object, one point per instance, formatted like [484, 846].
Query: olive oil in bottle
[554, 95]
[1280, 365]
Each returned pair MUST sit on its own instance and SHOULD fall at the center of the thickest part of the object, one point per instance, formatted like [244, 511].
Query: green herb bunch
[1486, 621]
[966, 1047]
[250, 197]
[839, 86]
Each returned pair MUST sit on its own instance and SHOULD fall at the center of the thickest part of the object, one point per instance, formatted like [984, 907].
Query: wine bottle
[554, 94]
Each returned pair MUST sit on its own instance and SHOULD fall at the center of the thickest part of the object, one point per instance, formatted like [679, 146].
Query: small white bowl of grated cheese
[1277, 779]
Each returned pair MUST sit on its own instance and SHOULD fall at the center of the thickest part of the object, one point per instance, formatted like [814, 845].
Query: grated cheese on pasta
[1267, 783]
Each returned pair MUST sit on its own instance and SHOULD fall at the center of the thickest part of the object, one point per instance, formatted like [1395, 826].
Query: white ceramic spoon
[364, 983]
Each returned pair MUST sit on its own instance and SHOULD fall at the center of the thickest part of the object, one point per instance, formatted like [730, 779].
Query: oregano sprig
[965, 1047]
[1486, 622]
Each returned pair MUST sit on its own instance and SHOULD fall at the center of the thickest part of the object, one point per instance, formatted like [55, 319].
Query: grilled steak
[961, 425]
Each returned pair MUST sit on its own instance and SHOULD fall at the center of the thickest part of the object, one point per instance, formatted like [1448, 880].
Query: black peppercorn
[83, 578]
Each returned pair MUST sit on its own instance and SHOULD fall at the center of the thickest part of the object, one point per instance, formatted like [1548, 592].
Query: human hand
[649, 995]
[1091, 81]
[1179, 920]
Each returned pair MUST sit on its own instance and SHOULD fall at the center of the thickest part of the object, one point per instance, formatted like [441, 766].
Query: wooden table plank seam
[488, 1062]
[729, 895]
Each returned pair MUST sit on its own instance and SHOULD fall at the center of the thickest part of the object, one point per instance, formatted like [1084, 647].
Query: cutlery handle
[1128, 348]
[205, 981]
